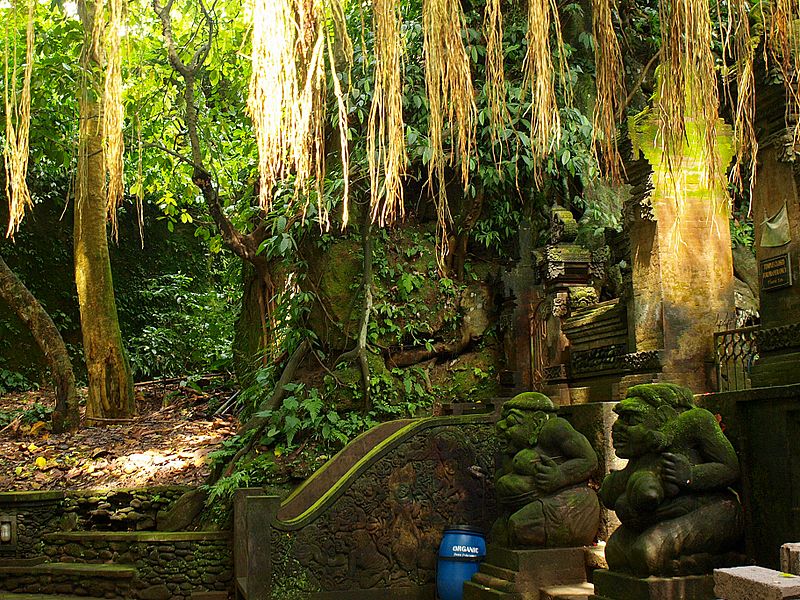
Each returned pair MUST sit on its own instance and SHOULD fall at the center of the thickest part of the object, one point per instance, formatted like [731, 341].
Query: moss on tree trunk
[109, 374]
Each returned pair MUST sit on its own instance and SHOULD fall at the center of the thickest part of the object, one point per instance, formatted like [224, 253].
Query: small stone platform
[750, 583]
[618, 586]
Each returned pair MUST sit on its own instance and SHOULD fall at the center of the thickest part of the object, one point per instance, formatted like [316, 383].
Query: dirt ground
[167, 443]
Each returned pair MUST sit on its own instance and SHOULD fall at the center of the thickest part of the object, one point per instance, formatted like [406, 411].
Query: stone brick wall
[170, 566]
[36, 513]
[118, 510]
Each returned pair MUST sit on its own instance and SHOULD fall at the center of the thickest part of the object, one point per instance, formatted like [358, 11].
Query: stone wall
[36, 513]
[169, 566]
[66, 543]
[374, 531]
[116, 510]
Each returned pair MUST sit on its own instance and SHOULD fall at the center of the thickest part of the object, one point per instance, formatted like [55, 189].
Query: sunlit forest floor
[167, 443]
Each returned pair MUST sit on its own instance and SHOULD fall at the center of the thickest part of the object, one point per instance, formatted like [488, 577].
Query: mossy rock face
[335, 276]
[471, 377]
[410, 300]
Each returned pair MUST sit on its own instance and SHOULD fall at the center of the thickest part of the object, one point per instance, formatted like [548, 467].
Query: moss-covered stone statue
[542, 489]
[678, 515]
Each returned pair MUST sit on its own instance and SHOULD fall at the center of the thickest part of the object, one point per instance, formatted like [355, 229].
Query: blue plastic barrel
[460, 554]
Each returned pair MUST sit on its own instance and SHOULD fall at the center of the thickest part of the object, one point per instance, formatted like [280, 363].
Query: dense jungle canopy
[323, 196]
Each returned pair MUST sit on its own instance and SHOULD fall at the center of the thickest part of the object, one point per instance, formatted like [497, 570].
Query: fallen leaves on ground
[163, 445]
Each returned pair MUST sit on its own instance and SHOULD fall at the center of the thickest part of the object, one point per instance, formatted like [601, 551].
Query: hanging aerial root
[113, 113]
[499, 116]
[346, 49]
[293, 44]
[540, 76]
[386, 147]
[610, 89]
[273, 91]
[450, 93]
[783, 47]
[18, 120]
[688, 86]
[740, 45]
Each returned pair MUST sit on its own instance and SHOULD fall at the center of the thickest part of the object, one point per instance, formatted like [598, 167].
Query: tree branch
[244, 246]
[637, 85]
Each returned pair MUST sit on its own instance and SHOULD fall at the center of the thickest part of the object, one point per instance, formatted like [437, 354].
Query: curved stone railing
[374, 526]
[316, 486]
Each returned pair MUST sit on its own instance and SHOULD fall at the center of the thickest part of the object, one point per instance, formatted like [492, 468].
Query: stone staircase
[49, 556]
[50, 579]
[42, 597]
[579, 591]
[551, 574]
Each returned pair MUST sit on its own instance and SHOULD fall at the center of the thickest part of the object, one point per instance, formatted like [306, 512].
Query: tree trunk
[50, 342]
[109, 373]
[251, 339]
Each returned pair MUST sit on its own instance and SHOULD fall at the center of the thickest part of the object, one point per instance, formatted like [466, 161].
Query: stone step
[498, 572]
[4, 596]
[76, 579]
[80, 569]
[581, 591]
[595, 556]
[475, 591]
[496, 583]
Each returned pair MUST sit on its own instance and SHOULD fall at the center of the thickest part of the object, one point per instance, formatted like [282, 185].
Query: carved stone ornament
[556, 372]
[784, 337]
[649, 360]
[673, 498]
[563, 226]
[384, 530]
[603, 358]
[582, 296]
[561, 304]
[600, 258]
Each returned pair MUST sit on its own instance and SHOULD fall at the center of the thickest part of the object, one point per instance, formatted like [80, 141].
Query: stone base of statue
[523, 574]
[609, 585]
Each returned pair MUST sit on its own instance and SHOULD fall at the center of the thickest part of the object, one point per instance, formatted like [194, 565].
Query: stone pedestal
[682, 268]
[522, 574]
[609, 585]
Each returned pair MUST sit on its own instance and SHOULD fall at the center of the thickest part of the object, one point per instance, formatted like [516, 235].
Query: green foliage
[190, 327]
[30, 415]
[742, 229]
[11, 381]
[305, 415]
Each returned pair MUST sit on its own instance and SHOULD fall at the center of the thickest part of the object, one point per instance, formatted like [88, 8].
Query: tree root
[256, 423]
[359, 353]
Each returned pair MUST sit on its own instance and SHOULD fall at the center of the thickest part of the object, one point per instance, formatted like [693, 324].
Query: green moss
[335, 276]
[469, 378]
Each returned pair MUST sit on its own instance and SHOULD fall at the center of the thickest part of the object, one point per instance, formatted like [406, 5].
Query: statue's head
[645, 416]
[523, 417]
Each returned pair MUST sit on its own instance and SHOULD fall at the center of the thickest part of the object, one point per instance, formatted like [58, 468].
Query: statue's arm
[613, 487]
[720, 466]
[578, 456]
